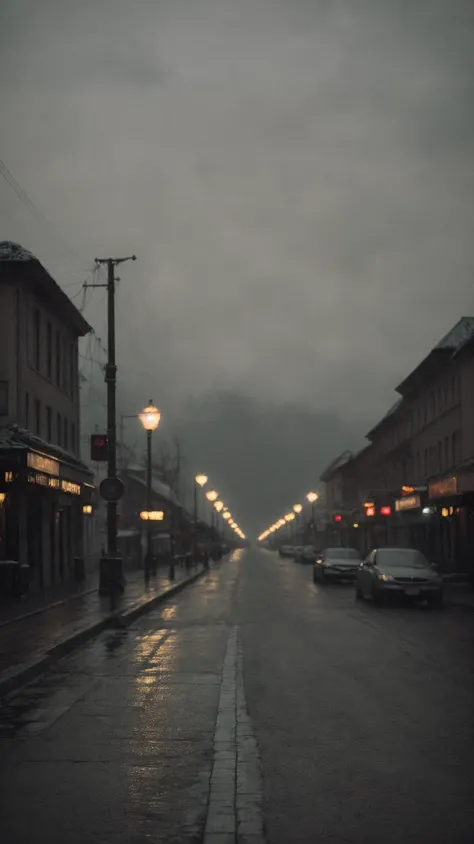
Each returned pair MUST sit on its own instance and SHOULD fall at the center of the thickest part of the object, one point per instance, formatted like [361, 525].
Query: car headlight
[385, 577]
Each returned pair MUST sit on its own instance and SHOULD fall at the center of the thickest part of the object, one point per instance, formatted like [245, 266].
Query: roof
[455, 339]
[19, 264]
[157, 486]
[333, 467]
[391, 412]
[448, 347]
[17, 438]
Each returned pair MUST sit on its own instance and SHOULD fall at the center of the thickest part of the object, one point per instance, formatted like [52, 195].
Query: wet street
[253, 700]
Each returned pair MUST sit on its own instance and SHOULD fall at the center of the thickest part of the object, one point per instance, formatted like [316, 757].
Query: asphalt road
[253, 696]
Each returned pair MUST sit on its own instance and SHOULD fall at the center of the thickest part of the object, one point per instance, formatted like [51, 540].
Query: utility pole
[111, 381]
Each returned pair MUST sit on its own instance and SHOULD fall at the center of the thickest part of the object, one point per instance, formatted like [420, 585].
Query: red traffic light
[385, 511]
[99, 448]
[338, 517]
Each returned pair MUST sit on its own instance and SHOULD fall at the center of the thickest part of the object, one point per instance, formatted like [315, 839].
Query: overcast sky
[295, 177]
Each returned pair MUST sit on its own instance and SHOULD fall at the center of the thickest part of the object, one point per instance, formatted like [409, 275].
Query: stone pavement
[27, 640]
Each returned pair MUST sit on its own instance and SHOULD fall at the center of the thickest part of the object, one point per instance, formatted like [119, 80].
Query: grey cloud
[295, 177]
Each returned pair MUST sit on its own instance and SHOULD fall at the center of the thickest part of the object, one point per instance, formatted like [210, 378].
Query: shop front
[452, 499]
[41, 514]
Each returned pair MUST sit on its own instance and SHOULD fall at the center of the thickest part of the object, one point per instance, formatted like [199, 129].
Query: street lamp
[290, 518]
[312, 497]
[150, 419]
[199, 480]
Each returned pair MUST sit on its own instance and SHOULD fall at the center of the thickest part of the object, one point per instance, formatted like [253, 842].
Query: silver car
[398, 572]
[336, 564]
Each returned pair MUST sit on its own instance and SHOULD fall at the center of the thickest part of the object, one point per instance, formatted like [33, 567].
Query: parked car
[398, 572]
[297, 551]
[286, 551]
[336, 564]
[307, 554]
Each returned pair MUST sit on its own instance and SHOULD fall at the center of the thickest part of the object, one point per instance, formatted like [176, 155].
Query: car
[297, 552]
[286, 551]
[336, 564]
[307, 554]
[402, 572]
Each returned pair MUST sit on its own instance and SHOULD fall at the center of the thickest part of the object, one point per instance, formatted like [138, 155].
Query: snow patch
[10, 251]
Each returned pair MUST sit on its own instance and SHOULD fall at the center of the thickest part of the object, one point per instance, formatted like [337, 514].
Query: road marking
[235, 798]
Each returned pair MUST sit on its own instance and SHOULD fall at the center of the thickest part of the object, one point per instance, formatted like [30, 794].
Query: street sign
[111, 489]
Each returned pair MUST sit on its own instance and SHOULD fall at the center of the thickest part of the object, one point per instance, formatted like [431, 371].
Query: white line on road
[235, 798]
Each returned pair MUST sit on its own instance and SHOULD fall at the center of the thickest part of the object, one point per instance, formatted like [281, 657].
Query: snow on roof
[10, 251]
[462, 332]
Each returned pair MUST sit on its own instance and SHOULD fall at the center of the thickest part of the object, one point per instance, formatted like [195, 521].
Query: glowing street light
[227, 515]
[201, 480]
[312, 497]
[218, 506]
[297, 508]
[212, 495]
[150, 418]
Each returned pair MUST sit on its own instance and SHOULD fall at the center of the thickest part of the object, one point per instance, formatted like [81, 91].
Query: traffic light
[338, 517]
[99, 448]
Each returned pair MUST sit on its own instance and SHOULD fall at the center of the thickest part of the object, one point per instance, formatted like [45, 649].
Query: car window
[343, 553]
[401, 558]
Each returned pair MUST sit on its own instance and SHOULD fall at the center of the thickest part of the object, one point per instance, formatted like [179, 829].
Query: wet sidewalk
[27, 640]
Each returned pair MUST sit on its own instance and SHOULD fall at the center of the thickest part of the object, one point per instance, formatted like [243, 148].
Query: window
[38, 417]
[447, 464]
[446, 394]
[455, 448]
[453, 390]
[66, 367]
[49, 350]
[433, 404]
[440, 456]
[60, 430]
[71, 371]
[417, 466]
[66, 434]
[58, 358]
[27, 410]
[73, 438]
[36, 339]
[426, 463]
[3, 398]
[49, 424]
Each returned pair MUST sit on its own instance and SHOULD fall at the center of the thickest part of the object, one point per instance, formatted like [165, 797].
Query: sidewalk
[41, 634]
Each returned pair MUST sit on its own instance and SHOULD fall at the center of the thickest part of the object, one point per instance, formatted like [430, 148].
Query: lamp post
[297, 508]
[312, 497]
[211, 496]
[150, 419]
[290, 518]
[218, 506]
[199, 480]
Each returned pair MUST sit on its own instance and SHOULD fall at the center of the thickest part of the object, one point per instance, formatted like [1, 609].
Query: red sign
[385, 511]
[99, 448]
[338, 517]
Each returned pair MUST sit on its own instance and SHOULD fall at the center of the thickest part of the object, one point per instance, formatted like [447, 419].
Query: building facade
[413, 484]
[43, 482]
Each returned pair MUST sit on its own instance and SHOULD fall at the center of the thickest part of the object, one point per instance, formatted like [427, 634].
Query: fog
[296, 180]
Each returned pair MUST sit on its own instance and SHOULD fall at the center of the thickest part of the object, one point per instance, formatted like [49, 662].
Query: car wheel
[359, 594]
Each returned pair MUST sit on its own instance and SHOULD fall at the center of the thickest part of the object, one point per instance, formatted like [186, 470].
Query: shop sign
[40, 463]
[408, 502]
[54, 483]
[444, 487]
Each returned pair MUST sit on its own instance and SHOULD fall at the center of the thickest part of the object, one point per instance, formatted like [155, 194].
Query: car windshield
[342, 553]
[401, 558]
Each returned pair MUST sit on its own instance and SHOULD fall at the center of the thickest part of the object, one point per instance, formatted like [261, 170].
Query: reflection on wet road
[360, 720]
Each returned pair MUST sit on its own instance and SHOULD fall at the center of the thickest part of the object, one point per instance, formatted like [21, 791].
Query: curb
[24, 673]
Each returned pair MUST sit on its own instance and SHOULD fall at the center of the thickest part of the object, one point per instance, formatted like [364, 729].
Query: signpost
[111, 489]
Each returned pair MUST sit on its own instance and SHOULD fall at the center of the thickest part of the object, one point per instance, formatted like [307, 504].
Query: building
[43, 482]
[413, 484]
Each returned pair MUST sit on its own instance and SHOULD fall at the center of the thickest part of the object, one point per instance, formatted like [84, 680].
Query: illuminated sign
[152, 515]
[408, 490]
[410, 502]
[42, 464]
[369, 510]
[443, 488]
[70, 487]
